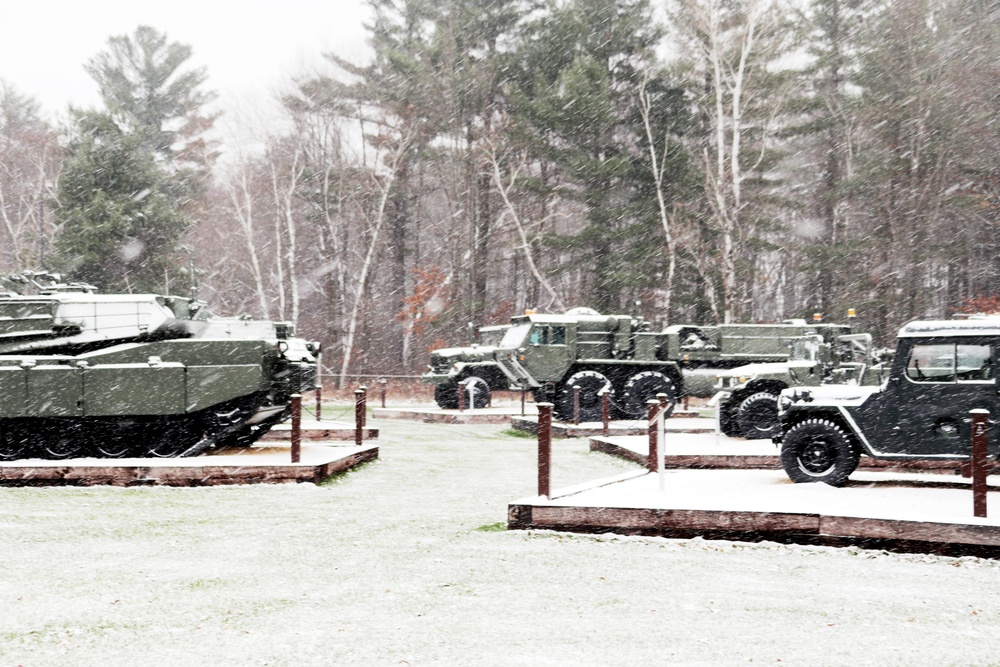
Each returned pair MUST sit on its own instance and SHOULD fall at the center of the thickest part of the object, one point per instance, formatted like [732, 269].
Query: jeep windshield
[514, 338]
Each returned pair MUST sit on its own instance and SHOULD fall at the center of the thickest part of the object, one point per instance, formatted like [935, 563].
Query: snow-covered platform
[499, 414]
[320, 430]
[259, 464]
[898, 511]
[714, 450]
[679, 422]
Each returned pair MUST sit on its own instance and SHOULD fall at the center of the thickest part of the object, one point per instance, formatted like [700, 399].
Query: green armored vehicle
[113, 375]
[550, 354]
[747, 398]
[940, 371]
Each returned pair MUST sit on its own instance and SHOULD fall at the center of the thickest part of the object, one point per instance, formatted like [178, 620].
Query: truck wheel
[590, 383]
[480, 392]
[643, 386]
[446, 396]
[757, 416]
[817, 450]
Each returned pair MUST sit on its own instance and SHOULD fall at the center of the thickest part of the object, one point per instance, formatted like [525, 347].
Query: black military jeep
[941, 371]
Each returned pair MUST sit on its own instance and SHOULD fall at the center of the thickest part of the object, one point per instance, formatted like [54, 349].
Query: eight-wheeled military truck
[549, 354]
[115, 375]
[940, 371]
[747, 401]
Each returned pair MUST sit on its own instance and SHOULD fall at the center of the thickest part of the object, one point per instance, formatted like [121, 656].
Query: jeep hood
[831, 394]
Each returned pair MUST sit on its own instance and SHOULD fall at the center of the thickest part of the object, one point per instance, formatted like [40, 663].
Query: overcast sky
[249, 47]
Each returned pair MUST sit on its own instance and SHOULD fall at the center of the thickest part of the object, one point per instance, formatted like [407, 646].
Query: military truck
[747, 398]
[549, 354]
[940, 371]
[112, 375]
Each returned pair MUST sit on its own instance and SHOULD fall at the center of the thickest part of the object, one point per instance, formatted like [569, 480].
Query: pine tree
[120, 229]
[148, 89]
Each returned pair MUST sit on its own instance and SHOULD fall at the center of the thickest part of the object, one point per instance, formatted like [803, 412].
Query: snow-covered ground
[405, 562]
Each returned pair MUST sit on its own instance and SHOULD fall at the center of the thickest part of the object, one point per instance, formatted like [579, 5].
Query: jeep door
[935, 382]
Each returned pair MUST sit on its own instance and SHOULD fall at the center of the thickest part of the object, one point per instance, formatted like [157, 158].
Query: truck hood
[471, 353]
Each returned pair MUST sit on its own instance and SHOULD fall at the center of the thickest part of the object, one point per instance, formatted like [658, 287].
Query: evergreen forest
[687, 161]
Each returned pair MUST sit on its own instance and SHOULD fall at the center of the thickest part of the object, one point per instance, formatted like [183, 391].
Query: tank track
[171, 436]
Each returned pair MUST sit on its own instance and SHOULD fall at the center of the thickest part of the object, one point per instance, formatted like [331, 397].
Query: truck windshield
[804, 349]
[515, 335]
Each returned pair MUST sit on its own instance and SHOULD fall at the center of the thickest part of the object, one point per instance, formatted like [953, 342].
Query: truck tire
[590, 383]
[817, 450]
[446, 396]
[757, 416]
[643, 386]
[728, 425]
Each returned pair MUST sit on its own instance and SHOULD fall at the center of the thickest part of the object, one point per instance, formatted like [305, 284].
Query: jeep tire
[757, 416]
[446, 395]
[817, 450]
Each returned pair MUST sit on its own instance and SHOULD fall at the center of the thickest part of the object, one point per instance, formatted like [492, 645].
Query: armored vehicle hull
[86, 374]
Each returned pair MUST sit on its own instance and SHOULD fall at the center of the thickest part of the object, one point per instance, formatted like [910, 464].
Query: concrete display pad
[313, 430]
[898, 511]
[679, 422]
[251, 465]
[500, 414]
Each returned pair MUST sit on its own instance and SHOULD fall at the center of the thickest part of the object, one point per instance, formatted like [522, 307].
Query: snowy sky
[249, 47]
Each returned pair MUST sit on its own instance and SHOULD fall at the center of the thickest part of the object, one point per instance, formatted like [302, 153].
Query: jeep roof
[986, 326]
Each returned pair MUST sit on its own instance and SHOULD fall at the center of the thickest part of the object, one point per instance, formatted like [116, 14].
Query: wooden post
[296, 427]
[576, 404]
[523, 392]
[319, 402]
[359, 416]
[980, 421]
[605, 410]
[653, 406]
[382, 384]
[461, 396]
[544, 448]
[364, 405]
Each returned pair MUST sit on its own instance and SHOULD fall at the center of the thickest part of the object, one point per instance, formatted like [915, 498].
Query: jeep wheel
[757, 416]
[590, 383]
[817, 450]
[643, 386]
[446, 396]
[477, 389]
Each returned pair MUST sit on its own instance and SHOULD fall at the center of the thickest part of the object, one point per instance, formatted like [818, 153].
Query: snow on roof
[986, 326]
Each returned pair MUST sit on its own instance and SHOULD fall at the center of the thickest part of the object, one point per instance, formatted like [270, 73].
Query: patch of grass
[497, 527]
[338, 477]
[517, 433]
